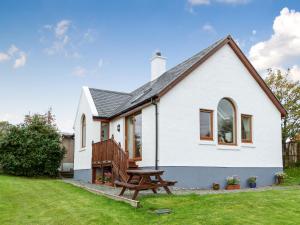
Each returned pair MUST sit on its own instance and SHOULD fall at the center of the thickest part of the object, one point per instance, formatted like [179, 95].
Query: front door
[134, 136]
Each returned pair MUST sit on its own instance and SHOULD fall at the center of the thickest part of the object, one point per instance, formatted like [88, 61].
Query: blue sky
[50, 49]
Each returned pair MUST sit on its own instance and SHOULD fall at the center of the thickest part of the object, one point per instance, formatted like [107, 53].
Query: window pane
[205, 124]
[130, 136]
[138, 135]
[104, 131]
[226, 120]
[134, 136]
[83, 132]
[246, 128]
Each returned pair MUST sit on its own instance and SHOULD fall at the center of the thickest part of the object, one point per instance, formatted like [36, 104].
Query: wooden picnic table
[143, 181]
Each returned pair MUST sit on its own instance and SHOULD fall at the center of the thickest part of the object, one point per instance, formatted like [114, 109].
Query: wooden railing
[110, 152]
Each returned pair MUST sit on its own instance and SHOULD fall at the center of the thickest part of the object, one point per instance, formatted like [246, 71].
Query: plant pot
[280, 180]
[252, 185]
[216, 186]
[108, 184]
[233, 187]
[98, 182]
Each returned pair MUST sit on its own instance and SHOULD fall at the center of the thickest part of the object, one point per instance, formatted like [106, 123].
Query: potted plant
[233, 183]
[280, 177]
[108, 178]
[252, 181]
[216, 186]
[98, 179]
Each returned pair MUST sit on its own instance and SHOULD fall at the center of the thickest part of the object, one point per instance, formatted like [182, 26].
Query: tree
[32, 148]
[287, 92]
[3, 128]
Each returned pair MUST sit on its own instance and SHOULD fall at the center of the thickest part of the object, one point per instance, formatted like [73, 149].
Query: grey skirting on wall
[83, 175]
[203, 177]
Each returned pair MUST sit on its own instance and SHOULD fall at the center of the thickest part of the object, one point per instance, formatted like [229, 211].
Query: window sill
[207, 142]
[82, 149]
[228, 147]
[247, 145]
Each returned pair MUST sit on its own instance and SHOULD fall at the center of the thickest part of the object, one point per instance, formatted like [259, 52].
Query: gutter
[154, 102]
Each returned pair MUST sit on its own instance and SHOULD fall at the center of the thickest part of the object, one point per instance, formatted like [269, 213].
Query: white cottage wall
[83, 156]
[197, 163]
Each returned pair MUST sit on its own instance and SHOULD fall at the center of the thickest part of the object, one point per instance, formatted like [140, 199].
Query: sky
[50, 49]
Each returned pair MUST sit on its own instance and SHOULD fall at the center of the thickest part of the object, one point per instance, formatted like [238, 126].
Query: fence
[291, 156]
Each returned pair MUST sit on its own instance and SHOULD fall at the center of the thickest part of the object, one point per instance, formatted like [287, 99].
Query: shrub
[280, 175]
[32, 148]
[232, 180]
[252, 180]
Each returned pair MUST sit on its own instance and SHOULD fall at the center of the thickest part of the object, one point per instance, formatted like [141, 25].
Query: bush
[280, 175]
[252, 180]
[233, 180]
[32, 148]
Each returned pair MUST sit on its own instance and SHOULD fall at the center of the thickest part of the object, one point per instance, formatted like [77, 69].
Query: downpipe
[154, 102]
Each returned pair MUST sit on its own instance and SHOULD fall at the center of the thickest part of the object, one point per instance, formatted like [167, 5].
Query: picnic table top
[145, 172]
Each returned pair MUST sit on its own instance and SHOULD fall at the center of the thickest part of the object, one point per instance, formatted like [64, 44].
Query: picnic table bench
[143, 181]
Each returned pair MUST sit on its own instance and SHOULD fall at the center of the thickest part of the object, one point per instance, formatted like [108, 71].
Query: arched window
[83, 131]
[226, 122]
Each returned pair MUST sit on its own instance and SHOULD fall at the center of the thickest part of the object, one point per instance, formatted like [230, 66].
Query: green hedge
[31, 149]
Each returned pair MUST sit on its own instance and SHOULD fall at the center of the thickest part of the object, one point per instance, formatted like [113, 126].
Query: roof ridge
[189, 58]
[110, 91]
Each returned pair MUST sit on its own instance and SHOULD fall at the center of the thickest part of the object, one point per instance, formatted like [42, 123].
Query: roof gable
[228, 40]
[111, 104]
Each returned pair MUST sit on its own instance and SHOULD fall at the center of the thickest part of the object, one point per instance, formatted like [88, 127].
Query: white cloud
[208, 28]
[4, 57]
[63, 38]
[199, 2]
[21, 60]
[207, 2]
[295, 72]
[14, 53]
[48, 26]
[12, 50]
[62, 27]
[282, 49]
[234, 2]
[80, 71]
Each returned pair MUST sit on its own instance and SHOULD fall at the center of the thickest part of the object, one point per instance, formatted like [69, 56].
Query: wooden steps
[109, 153]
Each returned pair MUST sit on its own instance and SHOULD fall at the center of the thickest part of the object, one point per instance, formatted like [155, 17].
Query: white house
[209, 117]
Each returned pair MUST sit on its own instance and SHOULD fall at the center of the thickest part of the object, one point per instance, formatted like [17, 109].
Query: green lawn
[293, 176]
[46, 201]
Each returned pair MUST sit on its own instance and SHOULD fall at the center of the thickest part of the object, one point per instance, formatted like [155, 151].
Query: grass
[47, 201]
[293, 176]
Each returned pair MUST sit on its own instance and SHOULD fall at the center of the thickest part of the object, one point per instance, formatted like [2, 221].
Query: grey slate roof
[110, 103]
[107, 102]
